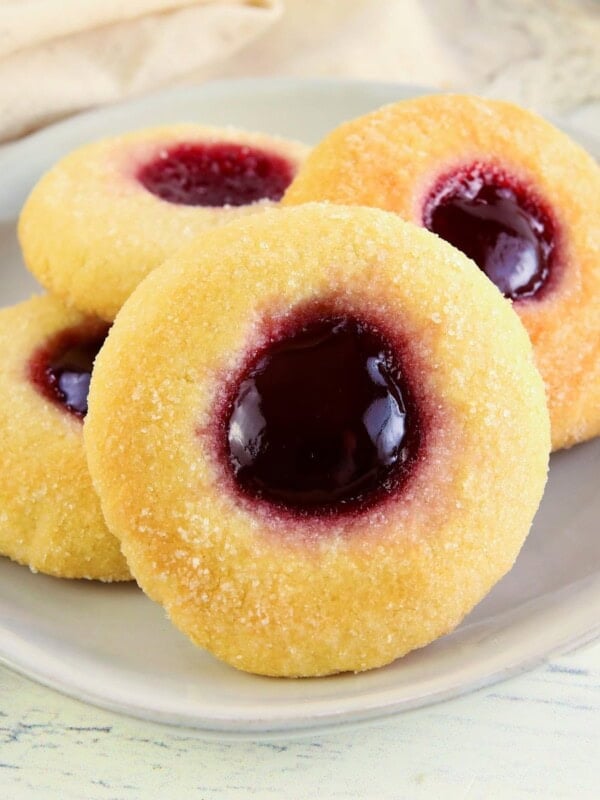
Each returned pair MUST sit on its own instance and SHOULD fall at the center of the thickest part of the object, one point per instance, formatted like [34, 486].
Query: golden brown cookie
[328, 464]
[107, 214]
[512, 192]
[50, 517]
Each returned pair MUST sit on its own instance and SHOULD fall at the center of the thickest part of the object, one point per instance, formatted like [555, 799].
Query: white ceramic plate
[111, 646]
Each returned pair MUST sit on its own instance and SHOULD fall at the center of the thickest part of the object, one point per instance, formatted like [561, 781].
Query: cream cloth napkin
[60, 56]
[541, 53]
[386, 40]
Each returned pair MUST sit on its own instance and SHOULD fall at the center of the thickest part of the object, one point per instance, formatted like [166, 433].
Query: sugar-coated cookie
[327, 464]
[50, 517]
[107, 214]
[509, 190]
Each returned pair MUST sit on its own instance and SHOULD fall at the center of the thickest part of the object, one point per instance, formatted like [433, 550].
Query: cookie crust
[90, 231]
[297, 597]
[393, 157]
[50, 517]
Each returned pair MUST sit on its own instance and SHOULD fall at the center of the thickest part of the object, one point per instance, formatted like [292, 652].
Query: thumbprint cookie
[513, 193]
[109, 213]
[328, 465]
[50, 517]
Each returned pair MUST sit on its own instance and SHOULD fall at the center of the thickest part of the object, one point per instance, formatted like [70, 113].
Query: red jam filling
[497, 222]
[216, 175]
[62, 368]
[322, 420]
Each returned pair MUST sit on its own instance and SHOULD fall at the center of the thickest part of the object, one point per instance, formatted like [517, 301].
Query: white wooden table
[535, 736]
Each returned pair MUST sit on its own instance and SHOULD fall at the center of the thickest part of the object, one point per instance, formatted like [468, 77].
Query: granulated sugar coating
[90, 230]
[50, 515]
[268, 589]
[402, 156]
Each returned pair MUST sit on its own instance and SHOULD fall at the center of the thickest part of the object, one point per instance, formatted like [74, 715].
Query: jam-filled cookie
[513, 193]
[50, 517]
[107, 214]
[326, 466]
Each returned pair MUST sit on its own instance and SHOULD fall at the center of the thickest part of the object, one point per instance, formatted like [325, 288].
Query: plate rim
[253, 726]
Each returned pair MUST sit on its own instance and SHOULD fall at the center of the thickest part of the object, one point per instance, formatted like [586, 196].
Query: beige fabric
[59, 56]
[387, 40]
[544, 54]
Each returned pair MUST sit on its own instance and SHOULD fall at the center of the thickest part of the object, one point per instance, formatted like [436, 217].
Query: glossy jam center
[62, 369]
[322, 421]
[216, 175]
[495, 222]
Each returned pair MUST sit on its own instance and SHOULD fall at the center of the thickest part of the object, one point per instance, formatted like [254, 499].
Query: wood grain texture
[534, 736]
